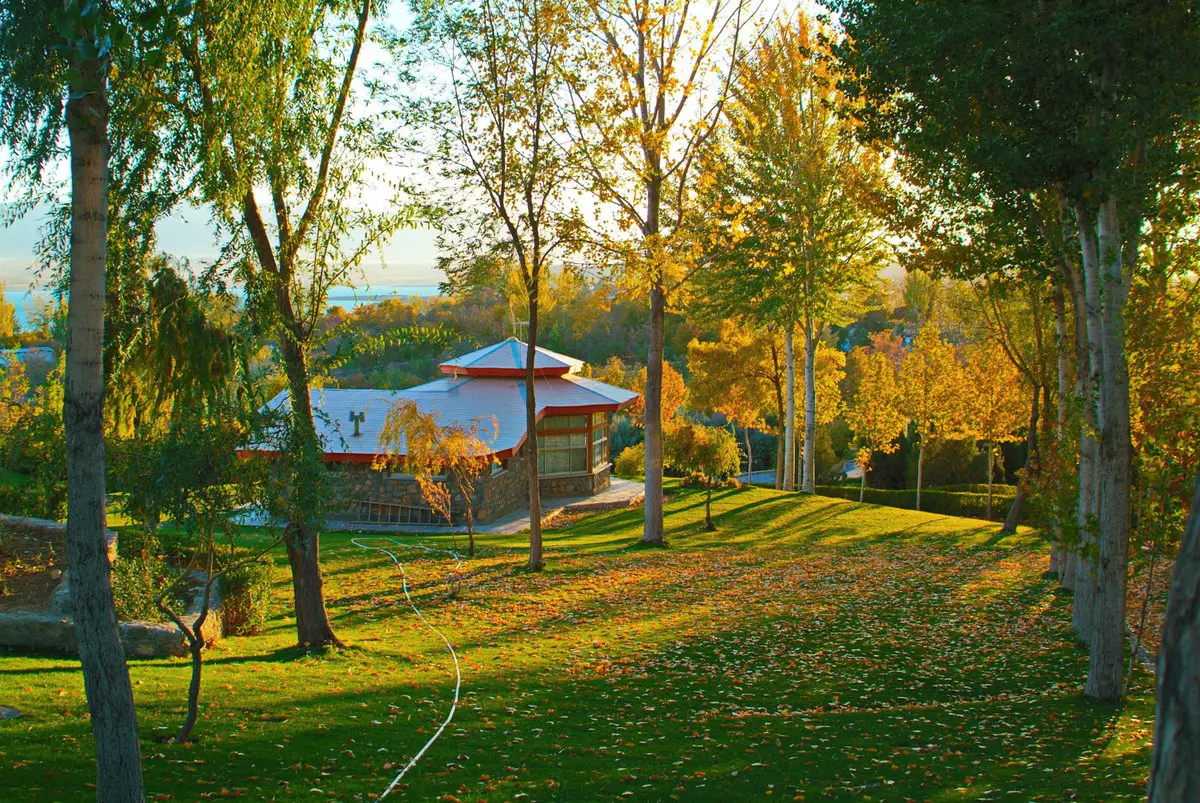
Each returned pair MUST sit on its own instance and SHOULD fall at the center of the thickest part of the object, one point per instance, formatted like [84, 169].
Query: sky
[409, 258]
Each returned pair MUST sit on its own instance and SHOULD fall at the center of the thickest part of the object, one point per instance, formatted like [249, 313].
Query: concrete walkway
[621, 494]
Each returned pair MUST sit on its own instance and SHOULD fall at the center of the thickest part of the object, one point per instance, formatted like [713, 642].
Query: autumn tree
[711, 452]
[929, 391]
[8, 316]
[651, 77]
[873, 414]
[736, 376]
[800, 196]
[502, 142]
[673, 395]
[993, 400]
[428, 449]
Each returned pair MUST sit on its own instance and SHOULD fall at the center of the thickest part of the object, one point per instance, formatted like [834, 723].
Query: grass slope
[812, 649]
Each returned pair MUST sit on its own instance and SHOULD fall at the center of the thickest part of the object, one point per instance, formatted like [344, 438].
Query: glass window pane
[558, 462]
[578, 459]
[578, 439]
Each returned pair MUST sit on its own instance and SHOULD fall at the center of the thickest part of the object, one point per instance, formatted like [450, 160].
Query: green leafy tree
[711, 452]
[272, 115]
[800, 196]
[56, 60]
[1083, 102]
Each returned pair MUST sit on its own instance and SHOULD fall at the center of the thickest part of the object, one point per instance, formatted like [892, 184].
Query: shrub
[631, 462]
[247, 598]
[946, 503]
[137, 581]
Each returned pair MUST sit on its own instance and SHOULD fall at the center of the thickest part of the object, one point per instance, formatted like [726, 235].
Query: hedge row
[946, 503]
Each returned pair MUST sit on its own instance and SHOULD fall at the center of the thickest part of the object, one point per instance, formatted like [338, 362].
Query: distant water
[348, 297]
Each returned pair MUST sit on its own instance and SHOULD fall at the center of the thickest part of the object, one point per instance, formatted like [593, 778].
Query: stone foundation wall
[54, 630]
[577, 485]
[494, 495]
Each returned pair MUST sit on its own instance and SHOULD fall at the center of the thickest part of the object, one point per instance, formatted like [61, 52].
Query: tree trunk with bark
[780, 427]
[789, 428]
[1175, 764]
[300, 535]
[105, 673]
[920, 470]
[809, 480]
[301, 538]
[749, 457]
[531, 443]
[1114, 487]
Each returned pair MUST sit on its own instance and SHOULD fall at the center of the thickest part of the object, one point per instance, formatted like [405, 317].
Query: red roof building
[487, 385]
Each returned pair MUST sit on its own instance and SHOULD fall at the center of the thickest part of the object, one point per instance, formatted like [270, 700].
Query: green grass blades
[811, 649]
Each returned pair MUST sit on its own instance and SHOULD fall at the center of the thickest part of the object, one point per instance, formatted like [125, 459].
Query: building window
[553, 423]
[565, 453]
[600, 449]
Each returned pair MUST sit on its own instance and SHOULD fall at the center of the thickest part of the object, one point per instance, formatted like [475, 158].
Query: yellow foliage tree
[674, 392]
[427, 448]
[929, 391]
[994, 401]
[874, 413]
[739, 376]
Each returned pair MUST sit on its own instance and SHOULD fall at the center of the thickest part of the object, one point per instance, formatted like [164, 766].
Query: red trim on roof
[515, 373]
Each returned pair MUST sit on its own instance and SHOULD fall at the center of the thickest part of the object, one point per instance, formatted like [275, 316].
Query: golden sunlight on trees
[651, 79]
[873, 414]
[930, 391]
[438, 454]
[796, 202]
[674, 393]
[994, 401]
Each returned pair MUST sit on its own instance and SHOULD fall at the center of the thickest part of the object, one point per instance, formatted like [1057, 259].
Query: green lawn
[811, 649]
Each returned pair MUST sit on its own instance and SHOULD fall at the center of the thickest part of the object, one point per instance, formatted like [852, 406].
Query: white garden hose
[457, 672]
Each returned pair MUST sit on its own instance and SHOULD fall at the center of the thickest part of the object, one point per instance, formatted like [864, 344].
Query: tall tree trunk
[789, 462]
[749, 457]
[920, 470]
[1086, 323]
[1062, 353]
[1058, 554]
[990, 454]
[1031, 446]
[862, 485]
[105, 673]
[652, 528]
[301, 537]
[809, 481]
[1175, 765]
[531, 443]
[1114, 487]
[781, 415]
